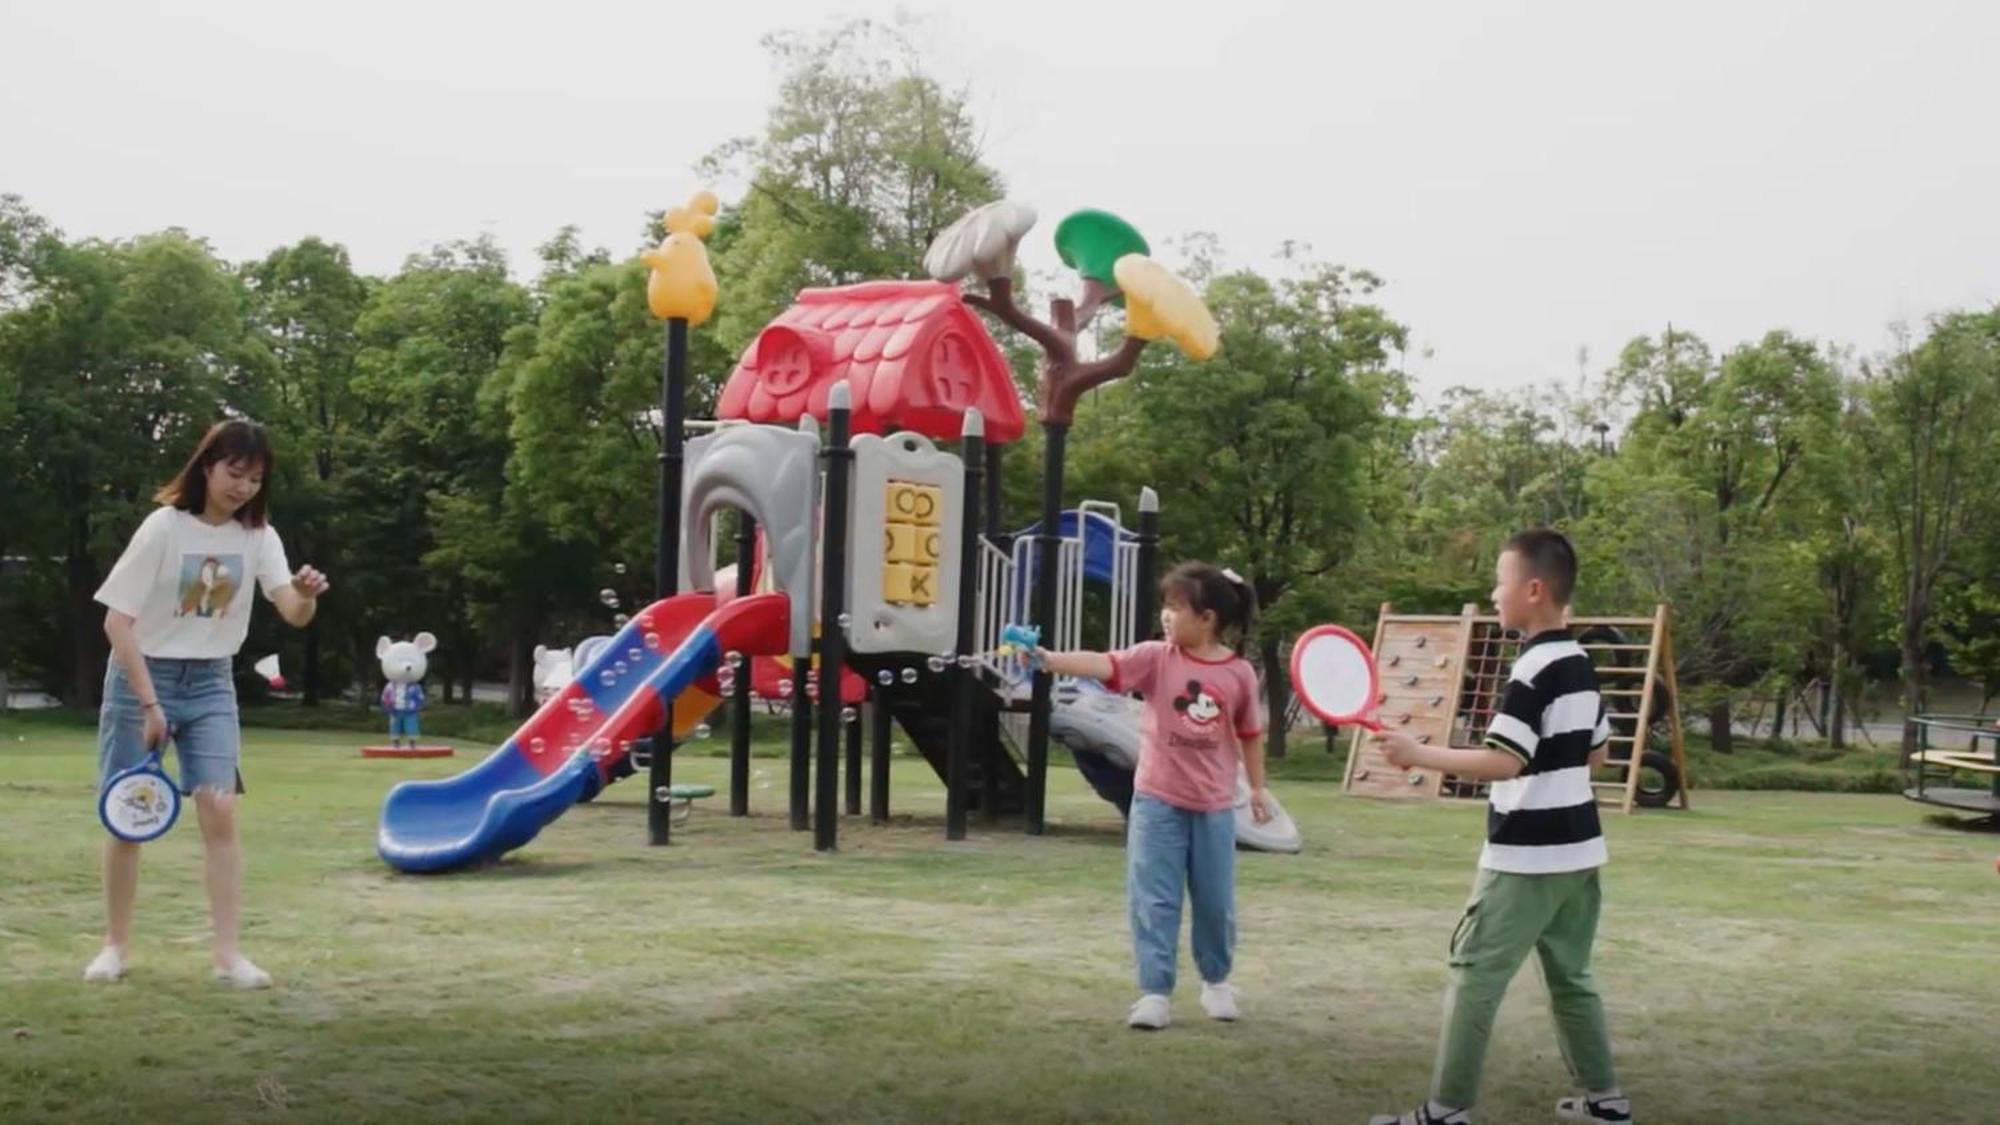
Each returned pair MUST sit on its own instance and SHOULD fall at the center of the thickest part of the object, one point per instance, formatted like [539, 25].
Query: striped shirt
[1551, 717]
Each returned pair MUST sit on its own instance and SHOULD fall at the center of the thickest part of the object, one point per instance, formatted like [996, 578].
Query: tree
[1689, 506]
[305, 301]
[121, 354]
[863, 161]
[430, 339]
[1258, 452]
[1933, 410]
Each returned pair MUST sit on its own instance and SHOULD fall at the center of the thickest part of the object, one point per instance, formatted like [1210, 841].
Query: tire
[1661, 793]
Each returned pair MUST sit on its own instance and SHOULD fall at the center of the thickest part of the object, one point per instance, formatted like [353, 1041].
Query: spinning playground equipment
[1440, 678]
[1932, 770]
[867, 541]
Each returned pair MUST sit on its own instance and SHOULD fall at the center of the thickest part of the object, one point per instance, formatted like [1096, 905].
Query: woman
[177, 608]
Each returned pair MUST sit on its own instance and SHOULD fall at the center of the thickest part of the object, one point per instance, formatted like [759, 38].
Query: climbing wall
[1442, 677]
[1419, 662]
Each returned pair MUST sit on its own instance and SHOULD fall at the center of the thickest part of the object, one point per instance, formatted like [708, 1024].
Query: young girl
[1201, 719]
[177, 607]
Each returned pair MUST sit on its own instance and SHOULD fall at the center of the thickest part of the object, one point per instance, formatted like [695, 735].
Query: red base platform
[407, 751]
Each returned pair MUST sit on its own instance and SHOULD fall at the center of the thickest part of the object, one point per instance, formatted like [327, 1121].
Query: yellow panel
[902, 542]
[896, 583]
[930, 545]
[903, 584]
[913, 503]
[923, 585]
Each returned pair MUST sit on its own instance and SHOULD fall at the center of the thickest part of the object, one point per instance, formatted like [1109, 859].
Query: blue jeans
[403, 724]
[1171, 853]
[199, 700]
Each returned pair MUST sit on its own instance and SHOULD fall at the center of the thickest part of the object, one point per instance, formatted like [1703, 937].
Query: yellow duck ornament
[682, 286]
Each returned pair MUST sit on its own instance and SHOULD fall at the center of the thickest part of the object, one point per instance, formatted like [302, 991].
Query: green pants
[1554, 916]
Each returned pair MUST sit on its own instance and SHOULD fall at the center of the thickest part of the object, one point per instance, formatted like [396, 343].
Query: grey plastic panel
[903, 569]
[772, 473]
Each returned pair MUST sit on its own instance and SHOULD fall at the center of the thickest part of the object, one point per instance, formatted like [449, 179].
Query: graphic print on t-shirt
[208, 584]
[1198, 705]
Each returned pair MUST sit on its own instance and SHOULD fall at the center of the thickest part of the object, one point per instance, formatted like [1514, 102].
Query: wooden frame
[1399, 635]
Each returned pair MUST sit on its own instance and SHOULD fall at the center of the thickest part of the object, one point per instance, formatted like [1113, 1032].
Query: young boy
[1537, 889]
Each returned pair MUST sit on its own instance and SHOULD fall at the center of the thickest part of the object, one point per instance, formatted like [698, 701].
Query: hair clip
[1233, 576]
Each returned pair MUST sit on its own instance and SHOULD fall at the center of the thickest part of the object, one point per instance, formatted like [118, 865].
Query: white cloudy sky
[1531, 178]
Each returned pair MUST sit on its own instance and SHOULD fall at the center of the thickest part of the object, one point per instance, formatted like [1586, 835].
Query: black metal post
[1048, 544]
[666, 569]
[1145, 612]
[881, 722]
[802, 728]
[833, 606]
[739, 702]
[851, 730]
[973, 457]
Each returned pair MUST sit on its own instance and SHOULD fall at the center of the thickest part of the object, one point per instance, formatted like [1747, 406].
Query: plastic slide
[1088, 718]
[664, 658]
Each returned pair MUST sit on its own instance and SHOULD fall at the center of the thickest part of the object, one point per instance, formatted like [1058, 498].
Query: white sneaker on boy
[1219, 1000]
[1151, 1013]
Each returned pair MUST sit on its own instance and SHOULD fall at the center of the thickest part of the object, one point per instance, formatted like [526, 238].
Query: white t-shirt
[186, 582]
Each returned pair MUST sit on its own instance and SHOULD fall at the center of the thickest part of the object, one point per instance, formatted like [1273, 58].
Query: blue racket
[139, 804]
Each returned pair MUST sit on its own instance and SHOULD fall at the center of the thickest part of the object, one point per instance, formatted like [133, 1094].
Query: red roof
[915, 354]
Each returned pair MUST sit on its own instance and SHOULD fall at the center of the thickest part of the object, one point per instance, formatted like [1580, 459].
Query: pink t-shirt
[1198, 715]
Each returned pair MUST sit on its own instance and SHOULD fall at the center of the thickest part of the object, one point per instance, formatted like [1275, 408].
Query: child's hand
[1260, 805]
[309, 583]
[1036, 657]
[1401, 750]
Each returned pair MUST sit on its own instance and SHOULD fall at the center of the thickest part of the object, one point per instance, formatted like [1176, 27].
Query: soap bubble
[936, 663]
[785, 689]
[663, 794]
[845, 620]
[635, 654]
[909, 675]
[849, 714]
[620, 621]
[653, 641]
[618, 567]
[621, 667]
[701, 730]
[537, 745]
[885, 677]
[609, 597]
[607, 677]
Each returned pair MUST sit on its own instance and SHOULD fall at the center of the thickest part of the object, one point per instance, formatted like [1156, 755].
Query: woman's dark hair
[234, 440]
[1211, 589]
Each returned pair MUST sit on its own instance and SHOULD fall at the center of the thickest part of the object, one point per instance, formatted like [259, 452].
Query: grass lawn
[1768, 958]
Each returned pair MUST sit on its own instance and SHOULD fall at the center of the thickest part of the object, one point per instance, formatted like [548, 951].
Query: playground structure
[1937, 764]
[870, 566]
[1441, 678]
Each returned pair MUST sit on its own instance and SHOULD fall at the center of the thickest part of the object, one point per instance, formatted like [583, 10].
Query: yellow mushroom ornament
[682, 286]
[1159, 304]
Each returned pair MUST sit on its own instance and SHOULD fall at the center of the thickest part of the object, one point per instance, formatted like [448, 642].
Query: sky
[1529, 179]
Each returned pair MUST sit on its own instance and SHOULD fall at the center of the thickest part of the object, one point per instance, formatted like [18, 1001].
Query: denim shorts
[199, 699]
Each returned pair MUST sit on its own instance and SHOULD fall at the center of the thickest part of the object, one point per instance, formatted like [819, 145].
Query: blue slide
[563, 753]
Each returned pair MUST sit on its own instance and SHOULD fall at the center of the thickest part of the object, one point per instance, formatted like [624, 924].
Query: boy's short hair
[1548, 555]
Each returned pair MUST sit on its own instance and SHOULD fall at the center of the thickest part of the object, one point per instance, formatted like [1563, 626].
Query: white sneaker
[1219, 1000]
[108, 966]
[1150, 1013]
[1596, 1107]
[243, 974]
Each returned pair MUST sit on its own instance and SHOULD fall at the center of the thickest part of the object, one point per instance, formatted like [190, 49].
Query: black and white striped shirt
[1551, 717]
